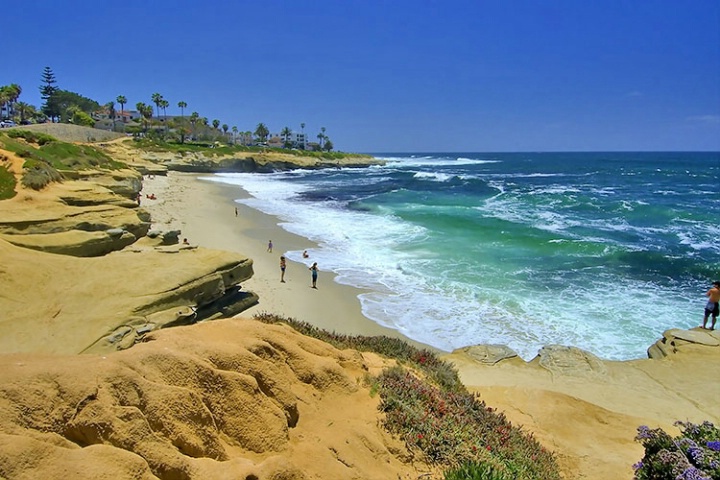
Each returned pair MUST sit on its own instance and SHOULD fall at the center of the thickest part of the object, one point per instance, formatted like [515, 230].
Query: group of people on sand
[283, 266]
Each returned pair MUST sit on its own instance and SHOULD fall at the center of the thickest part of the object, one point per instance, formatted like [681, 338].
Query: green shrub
[7, 184]
[60, 155]
[38, 138]
[454, 428]
[475, 471]
[67, 155]
[39, 175]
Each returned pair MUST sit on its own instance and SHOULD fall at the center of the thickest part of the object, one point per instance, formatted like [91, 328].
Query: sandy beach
[204, 212]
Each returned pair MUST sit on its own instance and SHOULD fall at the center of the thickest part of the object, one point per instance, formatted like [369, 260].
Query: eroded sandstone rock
[231, 399]
[571, 361]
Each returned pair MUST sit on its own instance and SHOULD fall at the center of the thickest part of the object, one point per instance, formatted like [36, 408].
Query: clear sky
[396, 75]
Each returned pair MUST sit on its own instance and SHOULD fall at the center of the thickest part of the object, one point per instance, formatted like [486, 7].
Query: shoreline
[204, 211]
[208, 220]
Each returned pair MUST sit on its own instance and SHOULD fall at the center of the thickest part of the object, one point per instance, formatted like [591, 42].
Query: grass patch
[39, 174]
[46, 157]
[7, 184]
[429, 408]
[37, 138]
[210, 149]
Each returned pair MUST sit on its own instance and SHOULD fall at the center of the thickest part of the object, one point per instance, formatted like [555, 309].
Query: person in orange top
[713, 305]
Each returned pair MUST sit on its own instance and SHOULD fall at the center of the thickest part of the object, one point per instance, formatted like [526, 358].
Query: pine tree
[47, 91]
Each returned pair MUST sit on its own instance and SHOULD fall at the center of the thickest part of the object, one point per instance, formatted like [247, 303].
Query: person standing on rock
[713, 305]
[282, 269]
[314, 272]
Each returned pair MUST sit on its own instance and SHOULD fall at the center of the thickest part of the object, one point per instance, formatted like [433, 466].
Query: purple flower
[692, 473]
[714, 446]
[638, 465]
[697, 454]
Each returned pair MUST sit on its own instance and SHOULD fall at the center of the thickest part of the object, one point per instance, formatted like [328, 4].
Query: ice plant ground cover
[692, 455]
[426, 405]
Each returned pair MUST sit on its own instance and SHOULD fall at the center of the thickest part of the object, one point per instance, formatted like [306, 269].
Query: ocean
[601, 251]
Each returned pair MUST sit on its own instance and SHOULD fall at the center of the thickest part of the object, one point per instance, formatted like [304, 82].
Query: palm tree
[328, 144]
[216, 124]
[285, 134]
[8, 96]
[164, 104]
[320, 137]
[122, 101]
[146, 111]
[24, 109]
[157, 98]
[225, 128]
[235, 132]
[194, 116]
[261, 131]
[183, 106]
[15, 91]
[110, 107]
[4, 99]
[302, 128]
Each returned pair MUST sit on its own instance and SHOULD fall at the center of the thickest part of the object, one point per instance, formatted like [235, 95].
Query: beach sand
[204, 212]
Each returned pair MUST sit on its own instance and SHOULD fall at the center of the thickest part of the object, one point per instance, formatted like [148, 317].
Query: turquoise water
[602, 251]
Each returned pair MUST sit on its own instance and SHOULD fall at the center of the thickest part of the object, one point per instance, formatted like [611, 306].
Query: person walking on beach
[713, 305]
[236, 211]
[282, 269]
[314, 272]
[269, 246]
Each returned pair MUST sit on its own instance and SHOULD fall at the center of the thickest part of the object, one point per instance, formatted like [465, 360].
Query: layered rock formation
[232, 399]
[91, 275]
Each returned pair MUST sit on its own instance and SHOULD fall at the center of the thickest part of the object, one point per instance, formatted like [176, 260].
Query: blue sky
[395, 76]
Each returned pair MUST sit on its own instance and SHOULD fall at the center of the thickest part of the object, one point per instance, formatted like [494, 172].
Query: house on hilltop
[124, 116]
[296, 140]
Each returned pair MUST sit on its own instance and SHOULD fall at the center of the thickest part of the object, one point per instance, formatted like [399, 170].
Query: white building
[297, 140]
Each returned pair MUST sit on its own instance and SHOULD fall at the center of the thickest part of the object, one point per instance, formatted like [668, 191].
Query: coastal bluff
[226, 399]
[82, 270]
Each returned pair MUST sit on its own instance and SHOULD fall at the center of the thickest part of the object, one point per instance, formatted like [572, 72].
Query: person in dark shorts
[314, 272]
[282, 269]
[713, 305]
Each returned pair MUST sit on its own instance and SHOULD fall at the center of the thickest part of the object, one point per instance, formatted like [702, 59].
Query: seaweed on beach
[426, 405]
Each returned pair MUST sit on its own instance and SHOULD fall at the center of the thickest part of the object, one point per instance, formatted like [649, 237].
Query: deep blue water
[603, 251]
